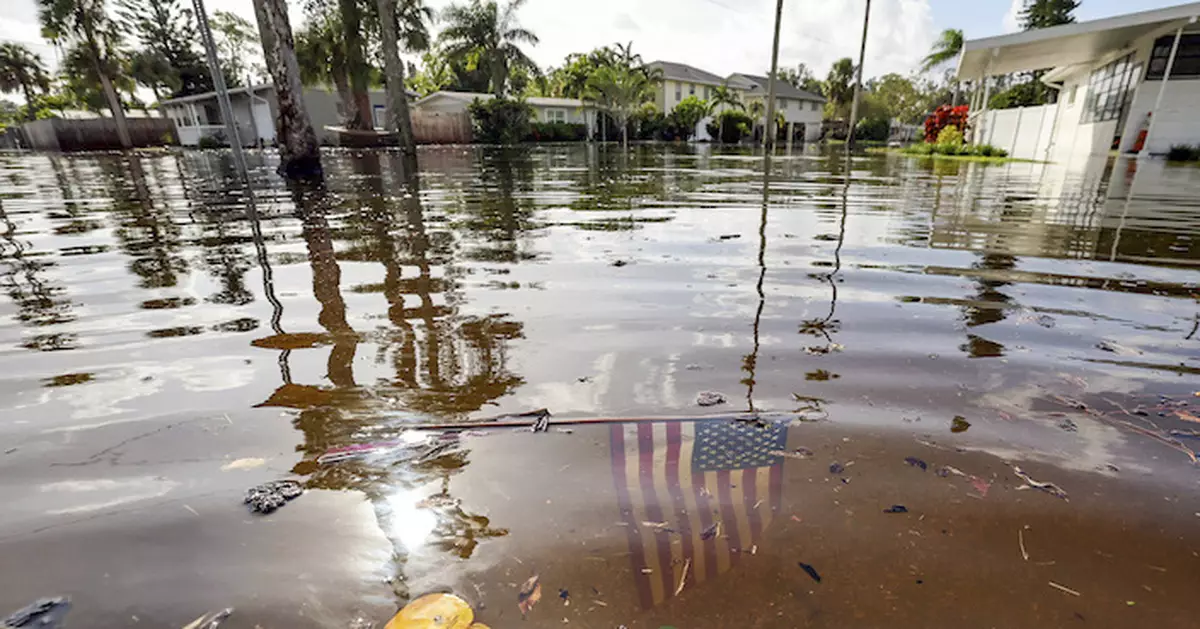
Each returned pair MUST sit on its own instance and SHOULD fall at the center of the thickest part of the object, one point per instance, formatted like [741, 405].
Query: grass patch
[977, 157]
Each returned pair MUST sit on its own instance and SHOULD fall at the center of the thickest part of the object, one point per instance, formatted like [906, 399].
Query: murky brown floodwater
[164, 347]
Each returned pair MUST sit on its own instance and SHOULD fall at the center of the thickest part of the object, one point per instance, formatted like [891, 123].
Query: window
[815, 105]
[1071, 97]
[678, 91]
[1110, 90]
[1187, 60]
[556, 115]
[691, 89]
[781, 104]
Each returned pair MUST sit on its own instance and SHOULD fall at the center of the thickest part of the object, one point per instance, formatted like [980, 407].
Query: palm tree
[491, 35]
[621, 90]
[299, 155]
[88, 23]
[22, 70]
[947, 47]
[724, 98]
[321, 56]
[839, 85]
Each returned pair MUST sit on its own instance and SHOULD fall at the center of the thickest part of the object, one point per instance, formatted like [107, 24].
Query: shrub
[873, 129]
[950, 136]
[500, 120]
[210, 142]
[737, 124]
[953, 148]
[648, 124]
[686, 115]
[943, 117]
[1183, 153]
[556, 132]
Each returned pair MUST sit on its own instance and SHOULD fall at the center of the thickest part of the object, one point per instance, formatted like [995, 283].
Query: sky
[720, 36]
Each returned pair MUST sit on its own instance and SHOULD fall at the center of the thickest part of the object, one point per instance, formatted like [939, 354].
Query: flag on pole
[694, 496]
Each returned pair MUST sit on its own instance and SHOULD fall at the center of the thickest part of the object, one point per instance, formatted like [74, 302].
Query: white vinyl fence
[1025, 132]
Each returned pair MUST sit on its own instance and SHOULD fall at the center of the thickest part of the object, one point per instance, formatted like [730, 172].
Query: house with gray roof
[800, 108]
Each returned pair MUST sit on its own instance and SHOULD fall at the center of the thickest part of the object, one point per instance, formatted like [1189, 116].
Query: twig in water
[1021, 540]
[1049, 488]
[683, 579]
[1063, 588]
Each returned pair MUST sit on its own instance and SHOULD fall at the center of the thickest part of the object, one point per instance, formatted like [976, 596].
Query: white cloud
[1012, 19]
[721, 36]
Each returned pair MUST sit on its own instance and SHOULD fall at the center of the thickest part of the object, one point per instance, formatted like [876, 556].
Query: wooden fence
[95, 134]
[438, 127]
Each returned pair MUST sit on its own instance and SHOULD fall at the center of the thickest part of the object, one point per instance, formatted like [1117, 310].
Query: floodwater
[929, 335]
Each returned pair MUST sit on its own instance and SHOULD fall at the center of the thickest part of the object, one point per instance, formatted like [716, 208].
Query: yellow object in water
[435, 611]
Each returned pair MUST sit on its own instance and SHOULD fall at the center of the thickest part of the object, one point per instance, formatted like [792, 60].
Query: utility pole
[769, 123]
[218, 78]
[862, 56]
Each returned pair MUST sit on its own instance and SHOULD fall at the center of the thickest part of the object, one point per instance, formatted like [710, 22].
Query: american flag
[676, 479]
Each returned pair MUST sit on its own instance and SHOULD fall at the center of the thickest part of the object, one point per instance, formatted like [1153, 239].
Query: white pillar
[791, 130]
[1162, 89]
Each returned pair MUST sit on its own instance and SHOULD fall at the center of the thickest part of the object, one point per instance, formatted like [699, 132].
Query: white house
[546, 109]
[803, 110]
[1128, 82]
[255, 110]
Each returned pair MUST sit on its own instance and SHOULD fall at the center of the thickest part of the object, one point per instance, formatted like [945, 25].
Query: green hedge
[556, 132]
[500, 120]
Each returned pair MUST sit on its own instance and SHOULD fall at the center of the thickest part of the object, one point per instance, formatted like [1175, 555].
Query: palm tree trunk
[299, 155]
[356, 65]
[625, 132]
[397, 103]
[29, 111]
[110, 93]
[341, 83]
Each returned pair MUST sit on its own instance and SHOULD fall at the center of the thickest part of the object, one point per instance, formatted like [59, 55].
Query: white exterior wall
[1177, 120]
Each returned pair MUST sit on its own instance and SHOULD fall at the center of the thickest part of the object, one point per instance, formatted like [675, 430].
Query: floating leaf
[915, 462]
[959, 424]
[812, 572]
[529, 594]
[1186, 416]
[896, 509]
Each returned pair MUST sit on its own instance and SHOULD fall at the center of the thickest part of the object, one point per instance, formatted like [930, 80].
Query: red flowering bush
[943, 117]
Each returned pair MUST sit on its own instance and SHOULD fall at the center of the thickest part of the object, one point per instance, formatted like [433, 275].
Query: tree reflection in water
[446, 364]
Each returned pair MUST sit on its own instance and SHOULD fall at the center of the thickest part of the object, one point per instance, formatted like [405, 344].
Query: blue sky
[984, 18]
[721, 36]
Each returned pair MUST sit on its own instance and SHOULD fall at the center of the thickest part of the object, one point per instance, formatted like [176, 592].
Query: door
[264, 123]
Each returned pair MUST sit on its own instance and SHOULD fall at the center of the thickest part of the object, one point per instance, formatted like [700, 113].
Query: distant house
[545, 109]
[1113, 77]
[255, 111]
[797, 106]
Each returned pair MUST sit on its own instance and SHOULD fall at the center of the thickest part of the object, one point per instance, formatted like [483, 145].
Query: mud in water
[1010, 353]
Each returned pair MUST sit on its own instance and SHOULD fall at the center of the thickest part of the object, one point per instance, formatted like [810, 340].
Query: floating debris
[1049, 488]
[959, 424]
[1063, 588]
[946, 470]
[812, 572]
[564, 595]
[211, 620]
[728, 236]
[896, 509]
[710, 398]
[619, 263]
[1117, 348]
[836, 468]
[1187, 417]
[529, 595]
[982, 486]
[44, 613]
[915, 462]
[683, 579]
[1068, 425]
[711, 531]
[269, 496]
